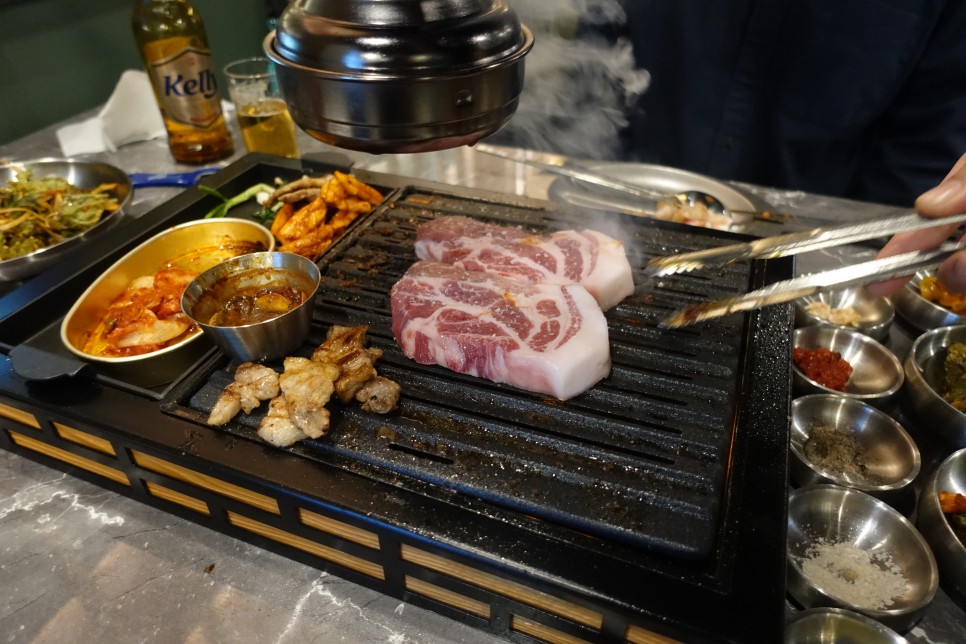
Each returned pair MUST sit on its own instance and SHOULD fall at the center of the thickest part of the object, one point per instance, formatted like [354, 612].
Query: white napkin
[130, 114]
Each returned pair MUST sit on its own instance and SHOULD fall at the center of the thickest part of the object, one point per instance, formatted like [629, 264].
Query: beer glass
[266, 125]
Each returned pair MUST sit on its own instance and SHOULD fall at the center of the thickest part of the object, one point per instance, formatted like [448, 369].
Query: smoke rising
[580, 84]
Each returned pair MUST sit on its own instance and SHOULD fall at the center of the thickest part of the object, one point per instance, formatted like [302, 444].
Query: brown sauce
[257, 304]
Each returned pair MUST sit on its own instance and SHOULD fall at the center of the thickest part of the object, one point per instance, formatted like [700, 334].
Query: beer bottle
[174, 46]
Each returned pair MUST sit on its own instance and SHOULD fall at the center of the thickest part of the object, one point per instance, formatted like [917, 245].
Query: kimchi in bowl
[131, 315]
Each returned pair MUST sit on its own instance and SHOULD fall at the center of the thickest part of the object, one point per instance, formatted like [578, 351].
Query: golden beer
[174, 47]
[266, 126]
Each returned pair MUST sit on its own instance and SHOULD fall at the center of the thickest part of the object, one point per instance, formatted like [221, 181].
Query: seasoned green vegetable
[955, 368]
[221, 210]
[36, 213]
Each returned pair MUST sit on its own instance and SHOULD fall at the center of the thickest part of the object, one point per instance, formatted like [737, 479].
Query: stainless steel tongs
[793, 243]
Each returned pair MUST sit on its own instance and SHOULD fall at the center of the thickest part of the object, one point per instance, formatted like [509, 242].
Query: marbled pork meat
[545, 338]
[588, 257]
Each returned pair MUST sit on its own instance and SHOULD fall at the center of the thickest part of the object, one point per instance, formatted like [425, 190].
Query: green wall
[62, 57]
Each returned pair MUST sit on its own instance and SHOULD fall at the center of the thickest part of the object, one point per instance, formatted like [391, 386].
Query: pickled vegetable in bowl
[49, 207]
[146, 316]
[933, 290]
[133, 310]
[38, 212]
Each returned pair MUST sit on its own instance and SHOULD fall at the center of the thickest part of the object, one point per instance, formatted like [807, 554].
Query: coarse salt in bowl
[850, 550]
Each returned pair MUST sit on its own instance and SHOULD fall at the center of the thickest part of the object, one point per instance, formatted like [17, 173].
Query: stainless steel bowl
[266, 340]
[876, 373]
[925, 378]
[920, 312]
[399, 75]
[201, 240]
[831, 514]
[950, 552]
[828, 625]
[891, 458]
[83, 174]
[875, 314]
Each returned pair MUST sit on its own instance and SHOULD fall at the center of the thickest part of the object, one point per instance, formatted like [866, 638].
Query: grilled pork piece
[344, 347]
[277, 428]
[379, 395]
[589, 258]
[546, 338]
[253, 383]
[307, 386]
[342, 365]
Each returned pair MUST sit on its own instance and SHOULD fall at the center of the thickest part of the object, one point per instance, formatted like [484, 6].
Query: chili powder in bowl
[835, 360]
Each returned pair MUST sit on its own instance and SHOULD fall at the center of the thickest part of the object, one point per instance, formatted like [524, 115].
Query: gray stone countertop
[82, 564]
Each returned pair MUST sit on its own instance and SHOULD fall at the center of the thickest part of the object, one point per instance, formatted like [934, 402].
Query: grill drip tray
[641, 458]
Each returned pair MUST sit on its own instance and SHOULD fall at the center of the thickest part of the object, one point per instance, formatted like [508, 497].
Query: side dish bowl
[86, 175]
[844, 541]
[854, 445]
[873, 315]
[826, 625]
[876, 373]
[224, 301]
[950, 550]
[920, 312]
[925, 384]
[198, 244]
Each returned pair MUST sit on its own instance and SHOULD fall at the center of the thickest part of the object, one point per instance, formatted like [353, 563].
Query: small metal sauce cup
[266, 340]
[877, 374]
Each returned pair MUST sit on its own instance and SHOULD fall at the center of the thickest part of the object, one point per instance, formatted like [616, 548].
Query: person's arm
[948, 198]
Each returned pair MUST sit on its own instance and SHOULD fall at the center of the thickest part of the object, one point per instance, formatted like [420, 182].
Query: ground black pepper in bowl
[836, 451]
[837, 439]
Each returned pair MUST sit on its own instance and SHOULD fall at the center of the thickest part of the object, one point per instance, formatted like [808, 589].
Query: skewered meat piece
[253, 383]
[344, 347]
[277, 428]
[307, 386]
[379, 395]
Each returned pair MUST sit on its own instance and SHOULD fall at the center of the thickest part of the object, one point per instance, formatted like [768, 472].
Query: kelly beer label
[186, 87]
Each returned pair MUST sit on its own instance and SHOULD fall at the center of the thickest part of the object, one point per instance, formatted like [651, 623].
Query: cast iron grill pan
[640, 458]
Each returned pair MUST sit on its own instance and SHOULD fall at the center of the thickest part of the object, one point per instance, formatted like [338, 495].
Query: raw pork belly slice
[545, 338]
[589, 258]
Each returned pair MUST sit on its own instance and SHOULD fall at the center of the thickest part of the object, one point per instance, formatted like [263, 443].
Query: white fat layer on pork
[611, 280]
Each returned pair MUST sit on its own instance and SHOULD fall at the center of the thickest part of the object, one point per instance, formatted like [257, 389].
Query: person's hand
[948, 198]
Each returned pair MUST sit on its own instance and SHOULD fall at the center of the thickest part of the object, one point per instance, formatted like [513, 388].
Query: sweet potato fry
[309, 230]
[281, 217]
